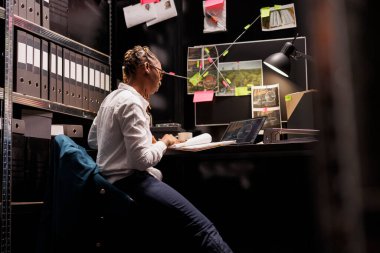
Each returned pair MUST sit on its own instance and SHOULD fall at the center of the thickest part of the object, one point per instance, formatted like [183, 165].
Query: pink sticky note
[148, 1]
[209, 60]
[214, 4]
[225, 83]
[171, 73]
[203, 96]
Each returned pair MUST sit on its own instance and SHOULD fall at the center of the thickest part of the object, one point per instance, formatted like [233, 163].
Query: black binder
[15, 7]
[21, 83]
[22, 8]
[30, 10]
[102, 82]
[53, 73]
[45, 70]
[66, 76]
[45, 14]
[91, 91]
[59, 74]
[108, 81]
[37, 12]
[97, 88]
[36, 77]
[79, 81]
[29, 64]
[72, 78]
[85, 83]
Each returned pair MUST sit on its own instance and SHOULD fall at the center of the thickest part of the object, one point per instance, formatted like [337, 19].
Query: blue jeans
[166, 220]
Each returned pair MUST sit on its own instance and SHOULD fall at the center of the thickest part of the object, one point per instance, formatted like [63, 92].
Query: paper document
[164, 10]
[138, 14]
[200, 142]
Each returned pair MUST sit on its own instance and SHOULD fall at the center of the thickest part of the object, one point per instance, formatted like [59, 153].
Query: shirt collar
[125, 86]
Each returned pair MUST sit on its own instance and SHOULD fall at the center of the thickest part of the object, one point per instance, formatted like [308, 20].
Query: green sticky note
[205, 74]
[197, 64]
[265, 12]
[277, 7]
[206, 50]
[247, 26]
[225, 53]
[288, 98]
[228, 81]
[195, 79]
[241, 91]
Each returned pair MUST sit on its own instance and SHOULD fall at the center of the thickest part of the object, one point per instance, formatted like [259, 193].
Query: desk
[259, 196]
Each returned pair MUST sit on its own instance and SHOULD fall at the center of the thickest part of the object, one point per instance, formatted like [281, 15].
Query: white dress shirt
[121, 134]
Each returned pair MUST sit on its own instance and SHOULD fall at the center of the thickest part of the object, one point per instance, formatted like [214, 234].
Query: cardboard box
[18, 126]
[37, 123]
[300, 109]
[69, 130]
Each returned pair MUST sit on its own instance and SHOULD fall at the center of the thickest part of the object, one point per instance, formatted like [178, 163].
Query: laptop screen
[244, 131]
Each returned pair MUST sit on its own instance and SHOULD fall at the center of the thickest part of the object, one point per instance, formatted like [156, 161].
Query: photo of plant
[239, 74]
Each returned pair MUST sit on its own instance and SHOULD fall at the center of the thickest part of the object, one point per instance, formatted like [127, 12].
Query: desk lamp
[280, 62]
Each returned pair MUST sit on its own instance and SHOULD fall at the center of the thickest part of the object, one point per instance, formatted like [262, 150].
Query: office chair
[83, 212]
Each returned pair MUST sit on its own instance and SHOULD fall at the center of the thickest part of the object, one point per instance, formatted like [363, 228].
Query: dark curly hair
[135, 57]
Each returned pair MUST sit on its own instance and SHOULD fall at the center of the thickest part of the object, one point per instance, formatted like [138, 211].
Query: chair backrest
[79, 199]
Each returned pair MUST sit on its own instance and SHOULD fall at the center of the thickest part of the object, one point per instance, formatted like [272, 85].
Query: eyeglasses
[160, 71]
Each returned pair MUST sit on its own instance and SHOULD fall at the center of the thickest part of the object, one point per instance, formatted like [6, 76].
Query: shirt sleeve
[141, 152]
[92, 138]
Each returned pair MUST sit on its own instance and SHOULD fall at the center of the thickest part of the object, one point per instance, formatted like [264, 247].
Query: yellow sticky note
[277, 7]
[206, 50]
[195, 79]
[241, 91]
[265, 12]
[197, 64]
[228, 81]
[247, 26]
[288, 98]
[205, 74]
[225, 53]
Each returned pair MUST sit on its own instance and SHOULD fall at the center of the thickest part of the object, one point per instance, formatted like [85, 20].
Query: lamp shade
[280, 62]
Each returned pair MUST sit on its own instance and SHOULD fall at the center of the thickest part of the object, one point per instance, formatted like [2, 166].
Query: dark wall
[171, 38]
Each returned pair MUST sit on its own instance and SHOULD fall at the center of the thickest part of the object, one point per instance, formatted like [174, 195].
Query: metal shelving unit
[8, 98]
[50, 106]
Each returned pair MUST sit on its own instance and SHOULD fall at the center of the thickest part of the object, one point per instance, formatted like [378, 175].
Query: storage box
[69, 130]
[18, 126]
[37, 123]
[300, 109]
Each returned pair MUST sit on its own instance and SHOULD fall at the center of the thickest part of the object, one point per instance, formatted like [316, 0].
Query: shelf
[50, 106]
[2, 13]
[60, 39]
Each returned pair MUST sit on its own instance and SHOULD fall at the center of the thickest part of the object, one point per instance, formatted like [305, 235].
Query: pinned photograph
[235, 77]
[278, 17]
[139, 13]
[215, 19]
[266, 102]
[165, 9]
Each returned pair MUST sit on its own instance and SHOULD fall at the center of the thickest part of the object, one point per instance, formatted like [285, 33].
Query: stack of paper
[200, 142]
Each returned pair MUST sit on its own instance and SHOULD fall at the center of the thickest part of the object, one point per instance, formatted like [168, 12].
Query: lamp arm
[298, 55]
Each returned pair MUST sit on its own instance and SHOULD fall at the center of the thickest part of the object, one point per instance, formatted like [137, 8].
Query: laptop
[244, 131]
[236, 133]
